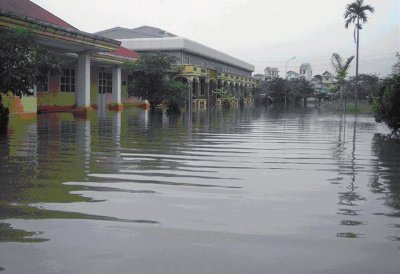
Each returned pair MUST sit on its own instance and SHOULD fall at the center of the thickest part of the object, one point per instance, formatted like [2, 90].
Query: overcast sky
[261, 32]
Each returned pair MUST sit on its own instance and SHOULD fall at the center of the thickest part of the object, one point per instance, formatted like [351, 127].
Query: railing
[193, 70]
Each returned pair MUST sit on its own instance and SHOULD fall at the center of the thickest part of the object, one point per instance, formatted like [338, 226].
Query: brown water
[257, 190]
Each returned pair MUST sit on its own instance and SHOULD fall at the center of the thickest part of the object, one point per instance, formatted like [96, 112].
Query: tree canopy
[153, 80]
[356, 12]
[341, 71]
[22, 61]
[386, 104]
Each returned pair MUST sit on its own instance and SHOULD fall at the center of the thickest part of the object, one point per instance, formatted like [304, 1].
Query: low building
[327, 78]
[305, 72]
[292, 75]
[92, 71]
[271, 73]
[259, 76]
[204, 67]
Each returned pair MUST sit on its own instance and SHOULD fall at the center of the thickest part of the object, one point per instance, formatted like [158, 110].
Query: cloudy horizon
[262, 33]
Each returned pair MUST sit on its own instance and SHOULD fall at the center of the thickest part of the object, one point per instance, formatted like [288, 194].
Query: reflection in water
[297, 175]
[350, 222]
[349, 197]
[386, 182]
[349, 235]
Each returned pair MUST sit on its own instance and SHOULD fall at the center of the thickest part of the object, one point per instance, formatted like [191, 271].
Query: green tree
[227, 97]
[22, 63]
[278, 90]
[367, 85]
[356, 13]
[174, 95]
[153, 74]
[299, 87]
[341, 72]
[386, 103]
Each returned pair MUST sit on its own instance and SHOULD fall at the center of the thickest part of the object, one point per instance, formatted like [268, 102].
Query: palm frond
[336, 61]
[357, 10]
[369, 8]
[348, 62]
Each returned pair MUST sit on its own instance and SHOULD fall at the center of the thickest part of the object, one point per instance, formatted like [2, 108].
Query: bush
[174, 95]
[153, 74]
[228, 99]
[386, 103]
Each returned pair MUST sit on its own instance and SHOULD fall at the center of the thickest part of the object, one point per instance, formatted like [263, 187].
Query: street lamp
[294, 57]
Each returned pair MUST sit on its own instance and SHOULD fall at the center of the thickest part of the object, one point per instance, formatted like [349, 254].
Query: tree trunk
[341, 96]
[358, 46]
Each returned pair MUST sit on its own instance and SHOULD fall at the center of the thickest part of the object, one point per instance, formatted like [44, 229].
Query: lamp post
[294, 57]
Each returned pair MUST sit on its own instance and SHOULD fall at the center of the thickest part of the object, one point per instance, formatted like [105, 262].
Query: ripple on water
[301, 176]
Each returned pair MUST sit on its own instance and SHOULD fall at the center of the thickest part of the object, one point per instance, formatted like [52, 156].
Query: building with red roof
[92, 65]
[28, 9]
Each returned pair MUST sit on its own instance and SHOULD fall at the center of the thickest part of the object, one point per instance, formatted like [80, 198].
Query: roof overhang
[186, 45]
[97, 59]
[58, 37]
[111, 58]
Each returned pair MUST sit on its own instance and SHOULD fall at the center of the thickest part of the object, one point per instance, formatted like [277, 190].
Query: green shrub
[386, 103]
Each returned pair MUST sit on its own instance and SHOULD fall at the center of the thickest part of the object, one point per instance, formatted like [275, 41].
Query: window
[67, 80]
[42, 83]
[187, 60]
[105, 82]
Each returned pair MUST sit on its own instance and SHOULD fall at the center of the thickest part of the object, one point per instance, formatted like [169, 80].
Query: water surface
[253, 190]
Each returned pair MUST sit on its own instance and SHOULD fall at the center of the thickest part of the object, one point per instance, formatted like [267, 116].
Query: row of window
[211, 66]
[68, 82]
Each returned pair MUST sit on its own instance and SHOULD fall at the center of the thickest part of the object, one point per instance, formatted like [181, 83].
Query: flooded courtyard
[251, 190]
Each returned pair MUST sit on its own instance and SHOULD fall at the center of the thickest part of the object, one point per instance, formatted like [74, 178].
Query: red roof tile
[124, 52]
[29, 9]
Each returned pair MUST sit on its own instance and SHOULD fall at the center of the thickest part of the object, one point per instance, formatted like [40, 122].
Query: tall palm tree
[341, 71]
[356, 13]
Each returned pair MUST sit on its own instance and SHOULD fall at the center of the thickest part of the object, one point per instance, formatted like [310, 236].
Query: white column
[207, 91]
[116, 85]
[83, 81]
[190, 94]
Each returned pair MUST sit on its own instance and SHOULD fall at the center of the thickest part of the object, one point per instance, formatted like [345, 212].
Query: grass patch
[363, 108]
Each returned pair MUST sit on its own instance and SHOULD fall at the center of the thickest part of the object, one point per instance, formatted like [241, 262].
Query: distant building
[317, 79]
[271, 73]
[202, 67]
[259, 76]
[292, 75]
[327, 78]
[147, 39]
[306, 71]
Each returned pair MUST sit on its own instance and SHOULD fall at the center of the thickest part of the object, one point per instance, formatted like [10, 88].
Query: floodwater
[252, 190]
